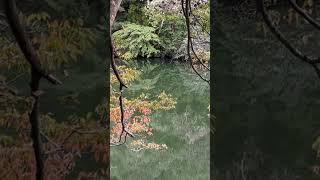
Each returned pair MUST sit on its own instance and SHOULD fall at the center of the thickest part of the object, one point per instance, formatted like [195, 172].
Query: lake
[185, 129]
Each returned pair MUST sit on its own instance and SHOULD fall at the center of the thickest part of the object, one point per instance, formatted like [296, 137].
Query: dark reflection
[266, 99]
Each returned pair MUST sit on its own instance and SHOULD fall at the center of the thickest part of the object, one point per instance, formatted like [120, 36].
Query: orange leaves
[145, 111]
[146, 119]
[115, 114]
[137, 120]
[137, 112]
[165, 101]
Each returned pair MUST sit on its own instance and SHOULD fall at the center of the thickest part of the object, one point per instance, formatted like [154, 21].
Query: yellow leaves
[138, 126]
[10, 56]
[128, 75]
[307, 6]
[127, 56]
[61, 42]
[165, 101]
[42, 16]
[203, 55]
[141, 144]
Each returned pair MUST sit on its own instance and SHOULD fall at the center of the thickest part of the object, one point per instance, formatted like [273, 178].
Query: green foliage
[170, 28]
[135, 40]
[57, 42]
[203, 16]
[169, 24]
[136, 13]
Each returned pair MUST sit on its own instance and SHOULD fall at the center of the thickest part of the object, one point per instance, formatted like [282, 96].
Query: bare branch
[197, 57]
[73, 132]
[15, 78]
[191, 40]
[304, 14]
[198, 19]
[275, 31]
[185, 9]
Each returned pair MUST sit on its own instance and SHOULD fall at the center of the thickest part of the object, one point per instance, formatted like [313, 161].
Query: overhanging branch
[185, 5]
[36, 74]
[24, 43]
[121, 89]
[305, 15]
[276, 32]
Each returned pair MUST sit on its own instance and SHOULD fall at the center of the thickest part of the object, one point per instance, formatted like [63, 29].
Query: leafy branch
[36, 74]
[121, 89]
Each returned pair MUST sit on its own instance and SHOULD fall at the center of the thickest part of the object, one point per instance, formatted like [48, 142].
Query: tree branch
[304, 14]
[36, 74]
[121, 89]
[309, 60]
[23, 42]
[185, 9]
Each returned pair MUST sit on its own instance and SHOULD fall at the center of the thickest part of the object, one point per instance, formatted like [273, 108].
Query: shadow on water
[266, 109]
[87, 83]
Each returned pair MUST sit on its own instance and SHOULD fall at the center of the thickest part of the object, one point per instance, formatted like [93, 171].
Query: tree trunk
[114, 7]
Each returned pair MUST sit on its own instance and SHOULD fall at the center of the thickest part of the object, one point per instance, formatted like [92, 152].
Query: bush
[135, 40]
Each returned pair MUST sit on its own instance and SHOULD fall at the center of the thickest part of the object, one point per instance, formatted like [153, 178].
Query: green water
[185, 130]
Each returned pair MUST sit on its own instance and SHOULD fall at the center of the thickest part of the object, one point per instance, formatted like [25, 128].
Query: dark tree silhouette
[36, 74]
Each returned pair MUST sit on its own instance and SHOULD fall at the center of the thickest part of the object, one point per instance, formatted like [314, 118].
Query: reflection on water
[184, 129]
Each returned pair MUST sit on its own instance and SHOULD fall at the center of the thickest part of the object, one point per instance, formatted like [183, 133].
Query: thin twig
[305, 15]
[15, 78]
[191, 41]
[185, 10]
[275, 31]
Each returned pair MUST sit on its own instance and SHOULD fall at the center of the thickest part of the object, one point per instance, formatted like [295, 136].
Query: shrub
[135, 40]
